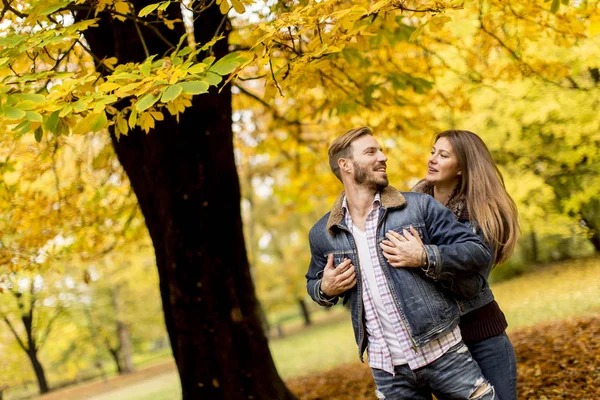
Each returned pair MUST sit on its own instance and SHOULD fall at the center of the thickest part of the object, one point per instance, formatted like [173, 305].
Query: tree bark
[124, 351]
[39, 371]
[305, 312]
[185, 179]
[594, 234]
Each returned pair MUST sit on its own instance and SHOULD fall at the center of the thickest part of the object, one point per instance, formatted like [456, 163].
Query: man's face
[369, 163]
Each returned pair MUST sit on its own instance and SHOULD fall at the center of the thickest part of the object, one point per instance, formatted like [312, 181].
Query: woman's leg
[496, 358]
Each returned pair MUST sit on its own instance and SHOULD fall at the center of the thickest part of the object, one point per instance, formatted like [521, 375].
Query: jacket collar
[390, 198]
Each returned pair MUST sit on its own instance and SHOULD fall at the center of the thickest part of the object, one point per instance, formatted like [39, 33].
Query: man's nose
[382, 157]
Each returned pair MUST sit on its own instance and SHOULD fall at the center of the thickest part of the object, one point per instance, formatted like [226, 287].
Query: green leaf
[79, 106]
[145, 68]
[124, 75]
[181, 40]
[555, 6]
[146, 102]
[13, 112]
[194, 87]
[132, 118]
[91, 123]
[38, 134]
[36, 98]
[209, 60]
[98, 122]
[171, 93]
[565, 2]
[33, 116]
[26, 105]
[164, 5]
[185, 51]
[227, 64]
[148, 9]
[52, 122]
[55, 7]
[197, 68]
[212, 79]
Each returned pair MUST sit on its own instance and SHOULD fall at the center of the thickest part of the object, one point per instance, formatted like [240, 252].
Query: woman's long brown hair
[482, 185]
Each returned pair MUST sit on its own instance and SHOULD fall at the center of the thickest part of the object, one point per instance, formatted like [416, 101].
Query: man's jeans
[455, 375]
[496, 358]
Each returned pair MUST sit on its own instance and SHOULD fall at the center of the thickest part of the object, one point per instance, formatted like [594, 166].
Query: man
[407, 324]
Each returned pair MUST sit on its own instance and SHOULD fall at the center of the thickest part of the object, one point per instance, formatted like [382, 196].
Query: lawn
[553, 293]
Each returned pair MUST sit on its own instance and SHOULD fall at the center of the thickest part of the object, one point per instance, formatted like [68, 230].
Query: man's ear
[345, 165]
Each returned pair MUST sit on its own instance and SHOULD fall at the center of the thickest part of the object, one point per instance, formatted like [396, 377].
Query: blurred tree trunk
[305, 312]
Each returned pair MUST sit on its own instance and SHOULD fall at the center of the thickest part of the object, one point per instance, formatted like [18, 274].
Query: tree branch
[15, 334]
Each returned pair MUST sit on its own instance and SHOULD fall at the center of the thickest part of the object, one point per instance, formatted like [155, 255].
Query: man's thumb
[329, 261]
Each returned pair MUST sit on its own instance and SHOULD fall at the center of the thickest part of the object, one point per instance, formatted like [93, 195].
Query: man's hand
[404, 250]
[337, 280]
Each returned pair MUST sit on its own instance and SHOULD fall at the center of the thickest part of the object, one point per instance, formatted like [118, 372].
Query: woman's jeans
[496, 358]
[455, 375]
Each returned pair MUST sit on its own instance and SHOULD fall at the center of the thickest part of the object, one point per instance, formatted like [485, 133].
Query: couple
[415, 272]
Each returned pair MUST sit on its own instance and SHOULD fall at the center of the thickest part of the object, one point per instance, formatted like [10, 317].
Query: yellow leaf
[157, 115]
[594, 27]
[238, 6]
[437, 23]
[108, 86]
[270, 91]
[224, 7]
[122, 8]
[110, 62]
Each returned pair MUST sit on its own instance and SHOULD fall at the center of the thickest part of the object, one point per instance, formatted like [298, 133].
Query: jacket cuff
[322, 298]
[434, 262]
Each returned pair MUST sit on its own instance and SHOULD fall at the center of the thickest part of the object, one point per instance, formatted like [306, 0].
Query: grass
[554, 293]
[316, 349]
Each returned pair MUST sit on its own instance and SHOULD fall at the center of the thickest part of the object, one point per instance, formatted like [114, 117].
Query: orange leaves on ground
[555, 361]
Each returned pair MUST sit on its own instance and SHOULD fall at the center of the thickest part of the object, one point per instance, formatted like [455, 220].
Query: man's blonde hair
[341, 147]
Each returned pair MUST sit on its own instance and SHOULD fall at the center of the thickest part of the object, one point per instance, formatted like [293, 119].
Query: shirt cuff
[322, 298]
[434, 262]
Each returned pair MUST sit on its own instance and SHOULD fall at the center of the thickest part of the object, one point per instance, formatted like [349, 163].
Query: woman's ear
[459, 173]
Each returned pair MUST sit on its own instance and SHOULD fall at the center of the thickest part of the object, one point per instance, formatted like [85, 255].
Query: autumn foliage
[555, 361]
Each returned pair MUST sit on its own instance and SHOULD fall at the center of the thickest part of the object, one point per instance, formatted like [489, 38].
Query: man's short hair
[341, 147]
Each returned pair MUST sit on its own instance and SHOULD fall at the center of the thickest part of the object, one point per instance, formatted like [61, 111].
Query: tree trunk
[114, 353]
[534, 246]
[39, 371]
[305, 312]
[125, 349]
[185, 178]
[594, 236]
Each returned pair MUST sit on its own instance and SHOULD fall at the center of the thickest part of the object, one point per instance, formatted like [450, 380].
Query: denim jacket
[466, 288]
[426, 309]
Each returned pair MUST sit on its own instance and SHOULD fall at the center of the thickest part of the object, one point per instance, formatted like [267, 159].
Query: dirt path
[87, 390]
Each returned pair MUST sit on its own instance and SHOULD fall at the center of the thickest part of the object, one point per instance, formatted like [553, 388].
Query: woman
[463, 176]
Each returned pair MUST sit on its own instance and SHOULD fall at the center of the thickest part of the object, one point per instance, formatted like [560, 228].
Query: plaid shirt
[378, 351]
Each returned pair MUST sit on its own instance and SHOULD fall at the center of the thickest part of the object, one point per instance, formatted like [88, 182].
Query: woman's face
[443, 166]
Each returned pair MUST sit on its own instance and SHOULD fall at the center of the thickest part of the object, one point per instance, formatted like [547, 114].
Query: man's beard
[362, 177]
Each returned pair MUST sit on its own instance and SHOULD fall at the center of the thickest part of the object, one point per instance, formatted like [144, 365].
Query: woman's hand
[404, 250]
